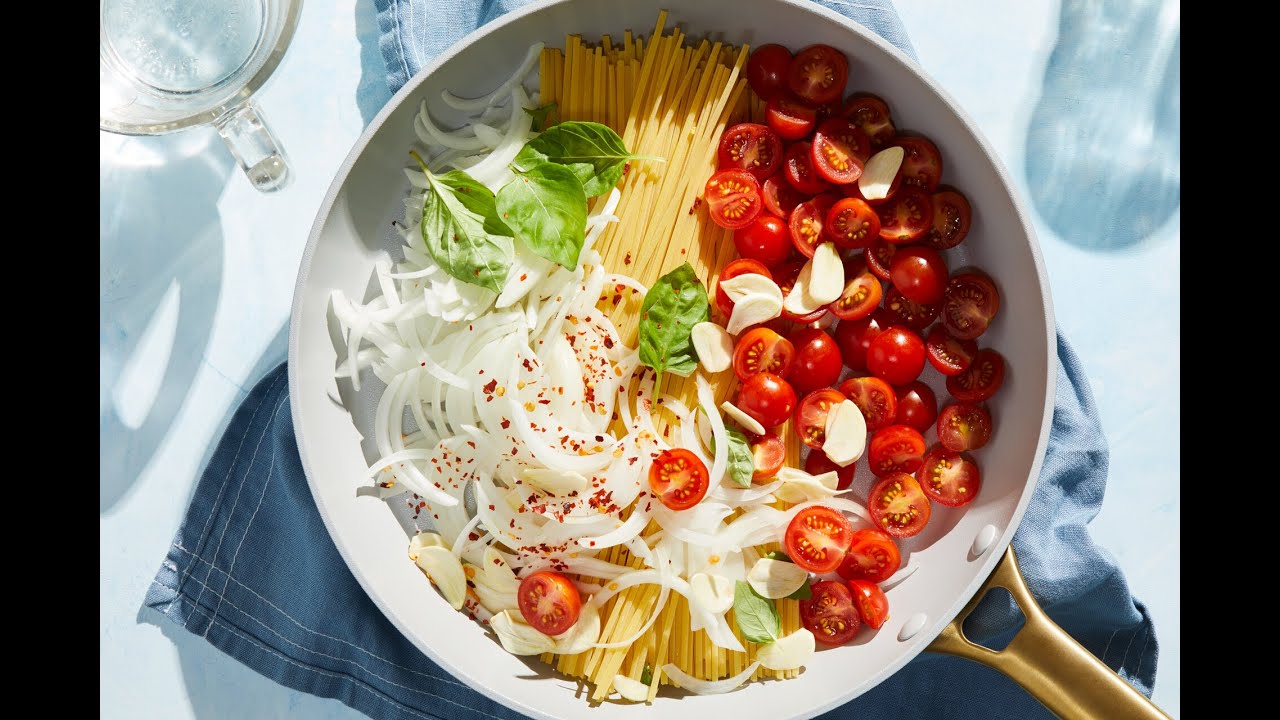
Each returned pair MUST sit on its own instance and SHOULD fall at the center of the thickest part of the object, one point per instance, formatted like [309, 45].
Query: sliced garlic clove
[827, 479]
[714, 346]
[787, 653]
[752, 310]
[497, 572]
[713, 593]
[518, 637]
[583, 634]
[805, 489]
[747, 422]
[776, 578]
[445, 572]
[555, 482]
[826, 277]
[846, 434]
[741, 286]
[422, 540]
[879, 172]
[629, 689]
[798, 301]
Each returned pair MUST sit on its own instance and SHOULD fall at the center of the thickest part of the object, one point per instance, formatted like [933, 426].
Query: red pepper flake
[544, 402]
[505, 423]
[627, 259]
[490, 508]
[608, 343]
[524, 276]
[472, 443]
[512, 524]
[490, 386]
[422, 364]
[683, 251]
[527, 365]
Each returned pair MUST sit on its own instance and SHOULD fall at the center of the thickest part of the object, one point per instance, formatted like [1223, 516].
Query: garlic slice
[846, 434]
[554, 482]
[799, 486]
[423, 540]
[713, 593]
[787, 653]
[827, 479]
[518, 637]
[445, 572]
[495, 583]
[747, 422]
[582, 634]
[713, 345]
[826, 279]
[879, 172]
[776, 578]
[629, 689]
[798, 301]
[741, 286]
[753, 309]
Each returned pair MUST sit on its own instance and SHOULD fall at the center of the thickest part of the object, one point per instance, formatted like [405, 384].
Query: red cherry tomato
[873, 606]
[840, 151]
[762, 350]
[808, 223]
[789, 118]
[678, 478]
[852, 224]
[917, 406]
[732, 270]
[786, 279]
[879, 257]
[903, 311]
[872, 556]
[549, 602]
[798, 168]
[818, 74]
[964, 426]
[769, 455]
[949, 355]
[767, 398]
[811, 416]
[872, 115]
[767, 70]
[907, 216]
[970, 304]
[949, 478]
[854, 337]
[766, 240]
[818, 464]
[983, 378]
[921, 162]
[898, 505]
[733, 198]
[896, 355]
[874, 397]
[951, 217]
[751, 147]
[829, 613]
[817, 537]
[817, 360]
[919, 273]
[779, 197]
[861, 294]
[895, 449]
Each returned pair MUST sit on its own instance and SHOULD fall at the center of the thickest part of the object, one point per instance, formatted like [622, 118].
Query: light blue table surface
[197, 275]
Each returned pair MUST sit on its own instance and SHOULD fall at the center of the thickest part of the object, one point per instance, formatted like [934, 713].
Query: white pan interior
[352, 230]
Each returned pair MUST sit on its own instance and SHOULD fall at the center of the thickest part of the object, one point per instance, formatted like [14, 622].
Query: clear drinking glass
[167, 65]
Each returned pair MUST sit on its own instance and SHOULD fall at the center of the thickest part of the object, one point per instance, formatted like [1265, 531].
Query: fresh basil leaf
[540, 115]
[742, 463]
[547, 209]
[804, 592]
[646, 677]
[462, 231]
[569, 143]
[757, 616]
[671, 308]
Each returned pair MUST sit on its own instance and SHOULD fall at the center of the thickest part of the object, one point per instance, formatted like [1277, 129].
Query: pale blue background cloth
[229, 578]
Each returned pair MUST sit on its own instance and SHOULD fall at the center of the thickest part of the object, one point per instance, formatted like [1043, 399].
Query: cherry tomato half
[970, 304]
[852, 224]
[907, 216]
[855, 336]
[873, 606]
[766, 240]
[840, 151]
[862, 291]
[872, 556]
[741, 266]
[789, 118]
[819, 464]
[917, 406]
[817, 537]
[903, 311]
[829, 613]
[898, 505]
[919, 273]
[767, 398]
[811, 416]
[549, 602]
[879, 257]
[818, 74]
[964, 426]
[779, 197]
[751, 147]
[817, 360]
[896, 355]
[733, 198]
[983, 378]
[921, 162]
[949, 478]
[947, 354]
[951, 218]
[767, 70]
[678, 478]
[769, 454]
[872, 115]
[798, 168]
[895, 449]
[873, 396]
[762, 350]
[808, 223]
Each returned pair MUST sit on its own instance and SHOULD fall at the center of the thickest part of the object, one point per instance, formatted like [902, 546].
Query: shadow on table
[372, 93]
[160, 276]
[1102, 157]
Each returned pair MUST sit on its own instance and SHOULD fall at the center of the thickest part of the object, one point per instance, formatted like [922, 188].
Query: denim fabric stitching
[404, 63]
[1106, 649]
[1129, 647]
[1142, 655]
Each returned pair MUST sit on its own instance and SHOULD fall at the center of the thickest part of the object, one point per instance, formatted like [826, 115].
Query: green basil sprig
[671, 308]
[461, 229]
[804, 592]
[547, 209]
[742, 464]
[593, 151]
[757, 616]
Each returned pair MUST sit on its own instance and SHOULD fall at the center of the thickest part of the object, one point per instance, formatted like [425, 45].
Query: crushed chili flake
[505, 423]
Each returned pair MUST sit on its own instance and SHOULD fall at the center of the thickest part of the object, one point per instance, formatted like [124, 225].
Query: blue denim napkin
[253, 571]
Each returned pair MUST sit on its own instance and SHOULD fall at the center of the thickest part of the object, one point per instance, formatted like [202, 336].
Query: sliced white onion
[698, 686]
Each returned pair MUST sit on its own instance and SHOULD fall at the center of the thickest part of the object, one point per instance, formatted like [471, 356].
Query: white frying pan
[955, 554]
